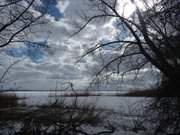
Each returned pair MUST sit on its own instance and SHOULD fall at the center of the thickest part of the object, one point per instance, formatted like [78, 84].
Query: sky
[54, 65]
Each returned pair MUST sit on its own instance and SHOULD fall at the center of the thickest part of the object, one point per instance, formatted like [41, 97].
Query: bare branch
[7, 70]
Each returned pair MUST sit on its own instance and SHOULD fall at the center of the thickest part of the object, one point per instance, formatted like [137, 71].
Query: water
[108, 101]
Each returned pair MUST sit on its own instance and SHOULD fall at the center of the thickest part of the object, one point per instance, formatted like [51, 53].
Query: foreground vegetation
[59, 117]
[55, 118]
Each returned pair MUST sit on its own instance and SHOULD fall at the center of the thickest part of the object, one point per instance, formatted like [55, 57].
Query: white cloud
[62, 5]
[59, 60]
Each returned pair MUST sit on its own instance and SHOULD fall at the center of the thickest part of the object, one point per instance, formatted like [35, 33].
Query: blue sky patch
[31, 50]
[124, 32]
[49, 7]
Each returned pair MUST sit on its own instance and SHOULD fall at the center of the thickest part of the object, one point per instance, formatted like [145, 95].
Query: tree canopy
[152, 36]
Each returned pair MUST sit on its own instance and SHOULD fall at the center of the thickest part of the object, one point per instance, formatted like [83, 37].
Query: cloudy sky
[44, 67]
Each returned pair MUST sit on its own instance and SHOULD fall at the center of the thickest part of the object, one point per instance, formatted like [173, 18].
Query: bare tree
[152, 37]
[18, 17]
[17, 21]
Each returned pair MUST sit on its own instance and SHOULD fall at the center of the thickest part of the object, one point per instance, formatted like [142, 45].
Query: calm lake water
[107, 99]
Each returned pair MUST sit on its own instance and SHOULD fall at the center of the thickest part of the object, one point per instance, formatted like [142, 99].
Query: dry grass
[143, 93]
[8, 100]
[57, 117]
